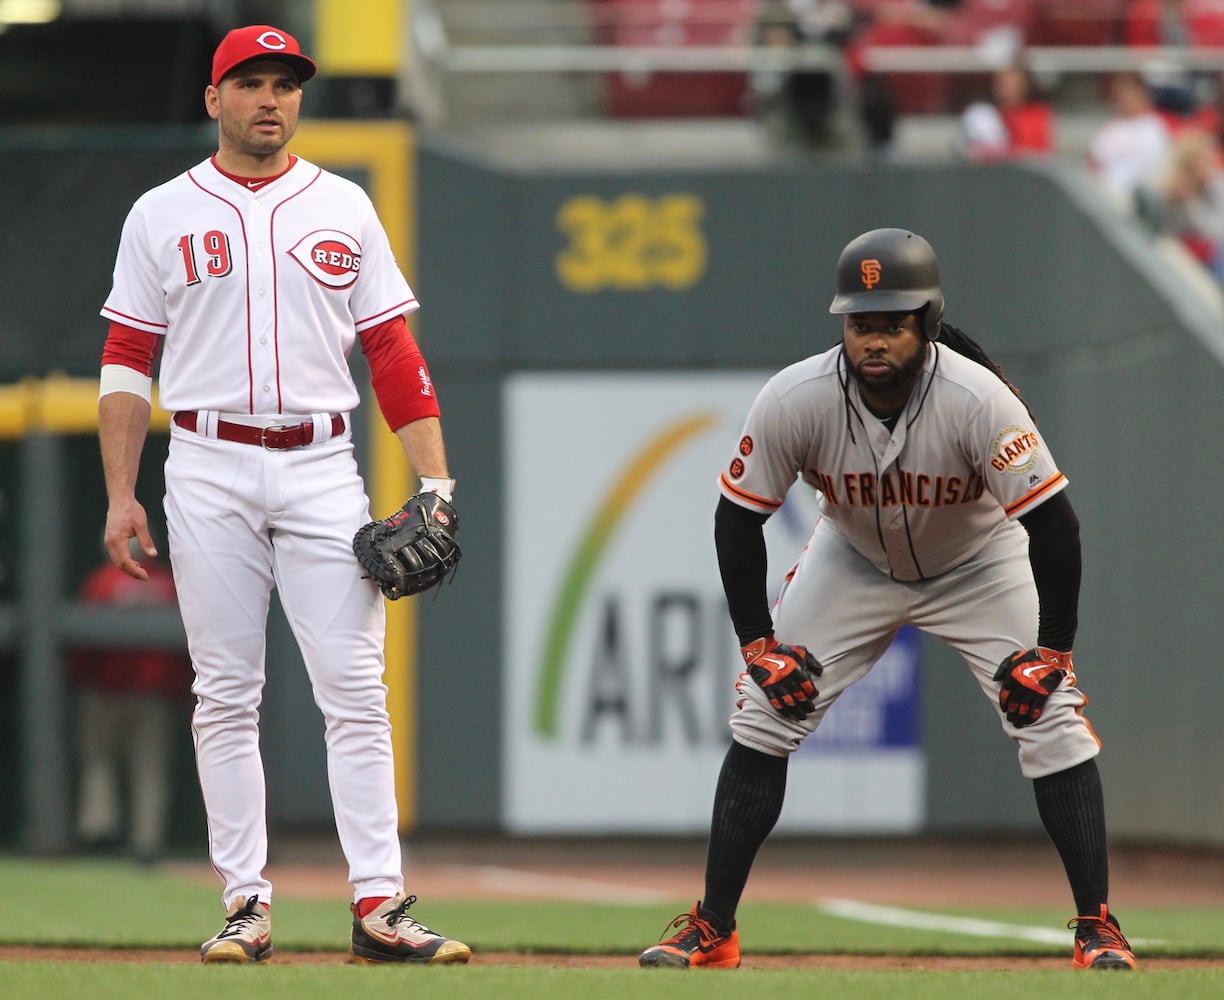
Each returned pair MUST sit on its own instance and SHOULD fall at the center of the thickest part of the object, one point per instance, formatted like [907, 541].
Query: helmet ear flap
[932, 317]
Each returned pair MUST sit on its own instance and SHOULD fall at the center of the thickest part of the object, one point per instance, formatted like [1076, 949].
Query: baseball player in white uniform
[942, 508]
[255, 273]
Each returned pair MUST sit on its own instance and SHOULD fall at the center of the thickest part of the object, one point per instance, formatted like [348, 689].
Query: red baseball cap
[260, 41]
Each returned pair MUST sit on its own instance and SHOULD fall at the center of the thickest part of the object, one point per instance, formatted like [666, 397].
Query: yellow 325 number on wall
[633, 243]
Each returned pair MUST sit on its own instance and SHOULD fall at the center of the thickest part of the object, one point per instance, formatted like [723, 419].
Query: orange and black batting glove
[1029, 676]
[785, 673]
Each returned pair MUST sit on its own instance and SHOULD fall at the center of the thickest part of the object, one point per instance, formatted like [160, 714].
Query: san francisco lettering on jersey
[909, 489]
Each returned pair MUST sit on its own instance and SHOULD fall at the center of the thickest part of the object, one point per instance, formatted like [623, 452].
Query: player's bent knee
[1062, 738]
[758, 725]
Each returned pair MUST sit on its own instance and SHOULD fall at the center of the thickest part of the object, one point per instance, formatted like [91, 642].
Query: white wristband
[445, 488]
[121, 378]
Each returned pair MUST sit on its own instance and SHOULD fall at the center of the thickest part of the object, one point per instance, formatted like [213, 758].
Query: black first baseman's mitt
[413, 549]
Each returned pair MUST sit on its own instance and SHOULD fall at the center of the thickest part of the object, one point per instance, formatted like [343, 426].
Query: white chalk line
[541, 885]
[892, 916]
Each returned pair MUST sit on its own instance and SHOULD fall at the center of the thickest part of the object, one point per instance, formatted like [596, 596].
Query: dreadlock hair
[962, 343]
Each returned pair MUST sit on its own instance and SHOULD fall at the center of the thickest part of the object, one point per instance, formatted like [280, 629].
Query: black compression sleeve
[739, 540]
[1054, 552]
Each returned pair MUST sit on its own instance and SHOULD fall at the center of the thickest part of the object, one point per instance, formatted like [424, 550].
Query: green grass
[119, 905]
[112, 904]
[123, 982]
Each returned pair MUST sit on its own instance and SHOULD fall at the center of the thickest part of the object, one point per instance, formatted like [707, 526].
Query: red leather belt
[276, 438]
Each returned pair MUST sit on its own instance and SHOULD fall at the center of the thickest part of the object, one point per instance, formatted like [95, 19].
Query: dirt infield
[904, 873]
[866, 963]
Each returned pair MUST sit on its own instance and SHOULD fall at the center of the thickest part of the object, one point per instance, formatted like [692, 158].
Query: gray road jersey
[964, 460]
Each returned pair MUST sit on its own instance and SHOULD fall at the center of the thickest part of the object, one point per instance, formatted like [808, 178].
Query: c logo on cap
[272, 40]
[870, 271]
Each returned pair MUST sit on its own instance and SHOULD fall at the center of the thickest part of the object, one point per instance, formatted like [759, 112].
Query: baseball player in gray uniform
[942, 508]
[255, 274]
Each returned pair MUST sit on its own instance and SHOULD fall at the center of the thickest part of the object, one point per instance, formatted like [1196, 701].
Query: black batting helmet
[889, 270]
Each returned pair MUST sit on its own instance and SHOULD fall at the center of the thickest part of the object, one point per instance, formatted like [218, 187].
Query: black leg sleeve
[747, 803]
[1072, 808]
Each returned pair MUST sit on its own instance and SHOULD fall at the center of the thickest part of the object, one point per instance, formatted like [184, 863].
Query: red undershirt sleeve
[398, 373]
[132, 348]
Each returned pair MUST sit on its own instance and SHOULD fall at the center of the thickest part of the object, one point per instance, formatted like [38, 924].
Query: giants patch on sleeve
[1015, 449]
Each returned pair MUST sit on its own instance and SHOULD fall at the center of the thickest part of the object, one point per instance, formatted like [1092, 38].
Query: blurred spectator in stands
[1208, 114]
[881, 96]
[1133, 147]
[1187, 200]
[1016, 122]
[129, 704]
[802, 106]
[998, 31]
[1174, 23]
[1189, 98]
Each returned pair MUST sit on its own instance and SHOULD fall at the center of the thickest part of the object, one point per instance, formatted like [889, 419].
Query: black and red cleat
[698, 942]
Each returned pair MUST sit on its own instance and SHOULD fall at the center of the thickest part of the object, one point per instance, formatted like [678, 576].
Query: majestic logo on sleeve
[1015, 449]
[870, 272]
[332, 258]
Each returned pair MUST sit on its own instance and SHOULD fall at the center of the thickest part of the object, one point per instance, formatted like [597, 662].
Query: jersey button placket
[263, 308]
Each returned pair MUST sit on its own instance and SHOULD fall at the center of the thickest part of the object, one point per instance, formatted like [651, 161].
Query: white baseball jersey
[916, 501]
[258, 293]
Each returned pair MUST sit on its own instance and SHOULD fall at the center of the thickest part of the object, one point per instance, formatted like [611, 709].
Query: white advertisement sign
[620, 655]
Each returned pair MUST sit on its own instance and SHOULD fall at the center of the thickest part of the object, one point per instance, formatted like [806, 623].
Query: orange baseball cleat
[698, 942]
[1099, 943]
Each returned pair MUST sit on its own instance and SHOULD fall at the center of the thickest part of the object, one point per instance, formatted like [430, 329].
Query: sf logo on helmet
[870, 270]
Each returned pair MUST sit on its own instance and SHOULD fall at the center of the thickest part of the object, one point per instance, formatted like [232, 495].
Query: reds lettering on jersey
[258, 292]
[963, 461]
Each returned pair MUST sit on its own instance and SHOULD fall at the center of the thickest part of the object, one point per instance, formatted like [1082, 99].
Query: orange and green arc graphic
[595, 540]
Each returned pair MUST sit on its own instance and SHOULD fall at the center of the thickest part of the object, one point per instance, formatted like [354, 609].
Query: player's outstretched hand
[1029, 676]
[785, 673]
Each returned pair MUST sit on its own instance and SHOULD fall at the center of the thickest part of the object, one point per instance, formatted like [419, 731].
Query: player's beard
[241, 138]
[897, 378]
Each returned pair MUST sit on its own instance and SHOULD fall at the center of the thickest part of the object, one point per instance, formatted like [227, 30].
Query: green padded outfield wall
[728, 271]
[732, 270]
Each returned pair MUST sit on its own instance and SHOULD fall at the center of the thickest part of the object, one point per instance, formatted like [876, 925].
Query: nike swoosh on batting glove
[784, 673]
[1029, 676]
